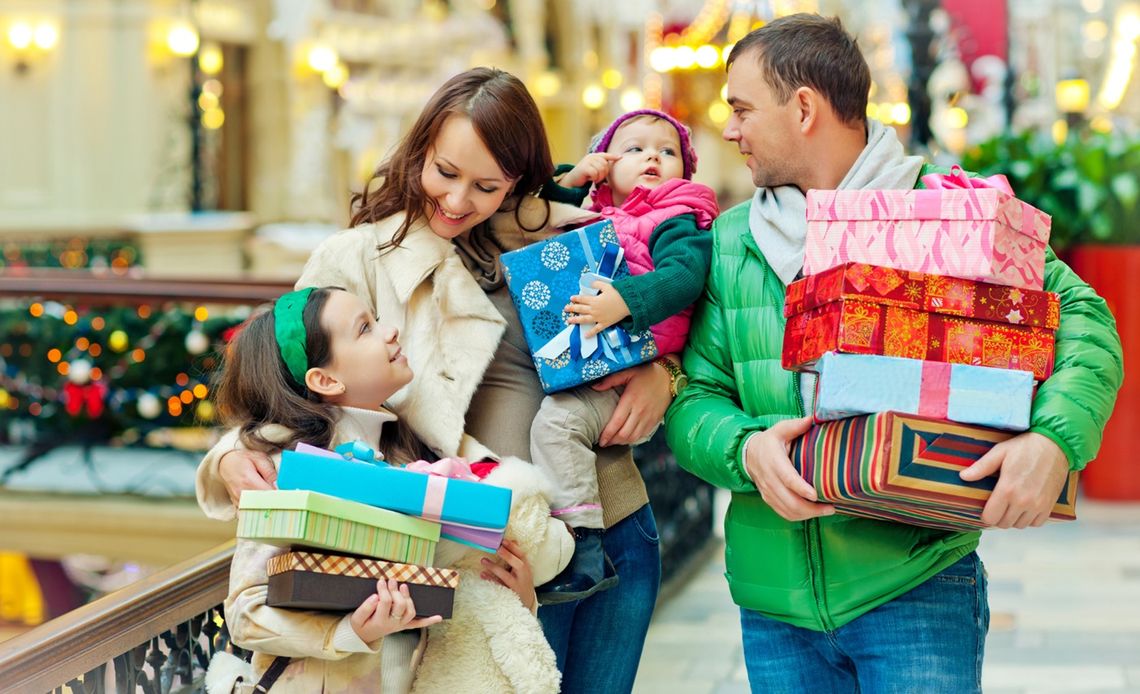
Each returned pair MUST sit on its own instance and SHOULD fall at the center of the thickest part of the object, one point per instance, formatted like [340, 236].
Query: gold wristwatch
[677, 378]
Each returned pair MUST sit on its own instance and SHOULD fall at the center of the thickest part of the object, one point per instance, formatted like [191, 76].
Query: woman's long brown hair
[255, 389]
[506, 119]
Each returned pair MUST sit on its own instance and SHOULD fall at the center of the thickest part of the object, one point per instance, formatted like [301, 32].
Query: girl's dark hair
[255, 389]
[508, 122]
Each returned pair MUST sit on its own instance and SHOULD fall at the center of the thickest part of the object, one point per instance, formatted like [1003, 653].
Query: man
[836, 603]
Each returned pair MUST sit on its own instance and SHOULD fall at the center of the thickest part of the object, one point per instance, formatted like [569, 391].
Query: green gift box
[297, 517]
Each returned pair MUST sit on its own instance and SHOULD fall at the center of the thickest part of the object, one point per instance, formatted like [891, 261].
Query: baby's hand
[592, 169]
[388, 610]
[605, 309]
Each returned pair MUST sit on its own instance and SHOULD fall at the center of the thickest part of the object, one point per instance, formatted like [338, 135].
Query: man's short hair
[807, 50]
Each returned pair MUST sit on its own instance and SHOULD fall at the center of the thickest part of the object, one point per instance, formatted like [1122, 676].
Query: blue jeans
[930, 639]
[598, 640]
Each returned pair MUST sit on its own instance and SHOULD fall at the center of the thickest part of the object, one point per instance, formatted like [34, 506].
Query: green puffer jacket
[825, 572]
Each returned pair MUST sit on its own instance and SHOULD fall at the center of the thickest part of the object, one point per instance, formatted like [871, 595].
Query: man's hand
[1033, 472]
[767, 462]
[592, 169]
[641, 406]
[605, 309]
[242, 469]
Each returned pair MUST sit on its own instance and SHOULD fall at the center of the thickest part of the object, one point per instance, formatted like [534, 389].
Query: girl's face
[366, 358]
[462, 179]
[650, 155]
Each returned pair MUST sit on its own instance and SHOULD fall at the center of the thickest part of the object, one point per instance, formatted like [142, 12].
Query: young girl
[318, 369]
[641, 166]
[423, 250]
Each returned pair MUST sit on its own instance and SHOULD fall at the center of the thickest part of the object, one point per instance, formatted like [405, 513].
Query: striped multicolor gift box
[315, 581]
[290, 517]
[905, 468]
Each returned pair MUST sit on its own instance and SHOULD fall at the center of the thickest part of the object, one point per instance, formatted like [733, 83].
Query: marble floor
[1064, 601]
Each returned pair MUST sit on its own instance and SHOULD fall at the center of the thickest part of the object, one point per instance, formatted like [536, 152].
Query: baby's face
[650, 150]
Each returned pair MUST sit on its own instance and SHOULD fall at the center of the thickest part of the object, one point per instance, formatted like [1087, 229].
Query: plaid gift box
[286, 518]
[905, 468]
[542, 277]
[866, 309]
[978, 233]
[312, 581]
[855, 384]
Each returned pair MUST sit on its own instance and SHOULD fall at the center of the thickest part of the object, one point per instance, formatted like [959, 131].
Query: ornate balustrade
[156, 635]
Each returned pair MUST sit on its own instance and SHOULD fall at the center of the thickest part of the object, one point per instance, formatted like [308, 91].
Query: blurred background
[166, 165]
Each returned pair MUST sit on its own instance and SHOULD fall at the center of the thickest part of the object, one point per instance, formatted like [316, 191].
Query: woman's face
[463, 182]
[366, 357]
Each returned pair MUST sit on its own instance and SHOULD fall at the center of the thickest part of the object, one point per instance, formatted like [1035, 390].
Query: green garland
[73, 254]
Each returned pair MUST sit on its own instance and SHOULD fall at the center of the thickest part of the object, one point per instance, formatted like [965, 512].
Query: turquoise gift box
[542, 277]
[857, 384]
[385, 486]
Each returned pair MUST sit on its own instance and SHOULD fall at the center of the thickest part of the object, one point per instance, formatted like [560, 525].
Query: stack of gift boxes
[923, 315]
[350, 519]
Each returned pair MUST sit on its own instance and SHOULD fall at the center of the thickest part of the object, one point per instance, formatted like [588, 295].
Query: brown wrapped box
[313, 581]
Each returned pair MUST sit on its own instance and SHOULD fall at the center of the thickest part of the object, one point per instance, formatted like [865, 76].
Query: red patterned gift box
[866, 309]
[905, 468]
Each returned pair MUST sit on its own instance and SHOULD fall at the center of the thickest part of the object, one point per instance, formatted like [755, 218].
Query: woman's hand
[241, 469]
[516, 575]
[641, 406]
[388, 610]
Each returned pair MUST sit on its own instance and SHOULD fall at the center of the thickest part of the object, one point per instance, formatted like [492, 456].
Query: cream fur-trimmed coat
[492, 643]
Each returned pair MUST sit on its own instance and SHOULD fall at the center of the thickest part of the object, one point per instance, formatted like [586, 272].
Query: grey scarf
[480, 254]
[778, 216]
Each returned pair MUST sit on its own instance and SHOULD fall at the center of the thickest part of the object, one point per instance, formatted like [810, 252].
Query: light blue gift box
[857, 384]
[382, 485]
[542, 277]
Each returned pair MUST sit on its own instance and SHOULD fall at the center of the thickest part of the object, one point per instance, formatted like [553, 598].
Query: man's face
[766, 132]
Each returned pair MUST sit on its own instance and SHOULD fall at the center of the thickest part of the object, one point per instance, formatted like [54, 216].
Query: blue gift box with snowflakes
[542, 277]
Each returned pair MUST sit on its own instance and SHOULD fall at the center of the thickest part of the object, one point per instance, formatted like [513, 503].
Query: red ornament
[88, 398]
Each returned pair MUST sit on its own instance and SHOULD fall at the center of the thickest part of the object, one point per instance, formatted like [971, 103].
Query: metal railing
[158, 634]
[154, 633]
[106, 288]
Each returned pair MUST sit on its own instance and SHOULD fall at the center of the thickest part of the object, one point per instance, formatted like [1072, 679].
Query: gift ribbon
[453, 468]
[934, 391]
[572, 337]
[434, 494]
[928, 203]
[360, 452]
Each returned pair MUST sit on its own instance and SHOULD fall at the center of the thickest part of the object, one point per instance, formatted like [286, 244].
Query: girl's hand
[605, 309]
[592, 169]
[641, 406]
[516, 575]
[241, 469]
[388, 610]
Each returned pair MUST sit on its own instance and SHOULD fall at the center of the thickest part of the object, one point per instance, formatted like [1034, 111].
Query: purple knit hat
[601, 141]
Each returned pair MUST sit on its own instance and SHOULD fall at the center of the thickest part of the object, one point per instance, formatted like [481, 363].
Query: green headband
[289, 329]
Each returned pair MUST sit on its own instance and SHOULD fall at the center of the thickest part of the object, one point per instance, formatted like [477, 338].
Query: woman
[424, 248]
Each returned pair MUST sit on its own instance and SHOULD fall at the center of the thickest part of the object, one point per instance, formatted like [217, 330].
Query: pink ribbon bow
[454, 468]
[957, 179]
